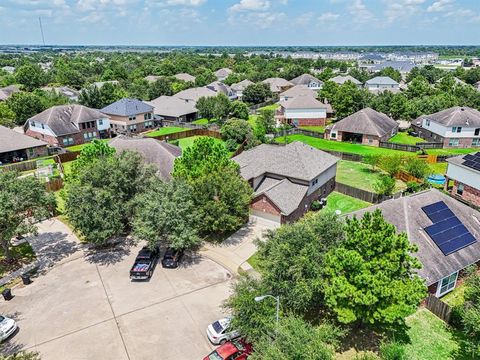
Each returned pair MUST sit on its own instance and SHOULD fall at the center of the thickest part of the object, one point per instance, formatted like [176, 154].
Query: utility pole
[41, 30]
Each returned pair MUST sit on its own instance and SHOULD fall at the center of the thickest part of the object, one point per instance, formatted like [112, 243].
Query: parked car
[235, 349]
[172, 258]
[7, 327]
[144, 264]
[219, 332]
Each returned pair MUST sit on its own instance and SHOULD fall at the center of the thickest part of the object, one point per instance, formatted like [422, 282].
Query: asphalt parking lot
[88, 308]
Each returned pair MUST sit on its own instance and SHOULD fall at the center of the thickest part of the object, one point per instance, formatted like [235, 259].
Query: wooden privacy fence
[189, 133]
[364, 195]
[54, 184]
[438, 307]
[397, 146]
[66, 157]
[429, 145]
[299, 131]
[406, 177]
[21, 166]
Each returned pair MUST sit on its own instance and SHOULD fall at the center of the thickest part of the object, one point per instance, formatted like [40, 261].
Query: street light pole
[277, 299]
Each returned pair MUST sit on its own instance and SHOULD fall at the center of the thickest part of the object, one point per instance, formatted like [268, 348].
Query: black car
[145, 264]
[172, 258]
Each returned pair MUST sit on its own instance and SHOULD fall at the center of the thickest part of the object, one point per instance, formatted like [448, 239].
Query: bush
[417, 167]
[366, 356]
[175, 142]
[392, 351]
[316, 205]
[413, 187]
[385, 185]
[391, 164]
[231, 145]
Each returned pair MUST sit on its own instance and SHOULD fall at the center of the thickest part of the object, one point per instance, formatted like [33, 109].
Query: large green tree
[370, 277]
[30, 76]
[7, 116]
[256, 93]
[23, 202]
[25, 105]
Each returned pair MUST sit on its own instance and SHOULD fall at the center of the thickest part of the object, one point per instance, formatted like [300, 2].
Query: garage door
[266, 215]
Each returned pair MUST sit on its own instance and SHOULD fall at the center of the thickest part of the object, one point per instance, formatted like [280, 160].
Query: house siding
[470, 194]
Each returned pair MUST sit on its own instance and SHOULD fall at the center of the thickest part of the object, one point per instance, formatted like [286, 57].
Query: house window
[453, 142]
[476, 142]
[460, 189]
[427, 122]
[333, 135]
[147, 116]
[132, 117]
[370, 140]
[457, 129]
[447, 284]
[477, 132]
[100, 121]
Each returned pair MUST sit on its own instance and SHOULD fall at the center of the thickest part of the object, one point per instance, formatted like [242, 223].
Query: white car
[7, 327]
[219, 332]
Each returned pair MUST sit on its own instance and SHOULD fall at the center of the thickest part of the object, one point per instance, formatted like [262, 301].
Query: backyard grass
[361, 175]
[439, 168]
[405, 138]
[319, 129]
[254, 261]
[456, 296]
[22, 255]
[269, 107]
[201, 122]
[344, 203]
[187, 142]
[252, 120]
[81, 146]
[451, 151]
[165, 131]
[339, 146]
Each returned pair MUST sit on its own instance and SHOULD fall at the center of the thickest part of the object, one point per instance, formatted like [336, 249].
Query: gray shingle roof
[402, 66]
[407, 216]
[381, 80]
[456, 116]
[299, 90]
[158, 153]
[6, 92]
[305, 79]
[219, 86]
[458, 160]
[242, 85]
[64, 119]
[195, 93]
[295, 160]
[276, 84]
[185, 77]
[366, 121]
[127, 107]
[172, 106]
[223, 72]
[11, 140]
[343, 79]
[286, 195]
[303, 102]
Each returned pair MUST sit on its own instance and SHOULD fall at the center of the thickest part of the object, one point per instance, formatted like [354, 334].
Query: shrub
[175, 142]
[316, 205]
[231, 145]
[413, 187]
[391, 164]
[392, 351]
[417, 167]
[366, 356]
[385, 185]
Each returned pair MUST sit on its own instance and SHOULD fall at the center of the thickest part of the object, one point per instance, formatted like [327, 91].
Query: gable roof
[195, 93]
[127, 107]
[158, 153]
[299, 90]
[381, 80]
[223, 72]
[295, 160]
[305, 79]
[7, 91]
[303, 102]
[366, 121]
[459, 160]
[407, 215]
[276, 84]
[455, 116]
[64, 119]
[285, 194]
[343, 79]
[172, 106]
[242, 85]
[219, 86]
[63, 90]
[11, 140]
[185, 77]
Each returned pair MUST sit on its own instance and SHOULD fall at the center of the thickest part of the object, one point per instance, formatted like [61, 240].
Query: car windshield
[214, 356]
[217, 327]
[2, 318]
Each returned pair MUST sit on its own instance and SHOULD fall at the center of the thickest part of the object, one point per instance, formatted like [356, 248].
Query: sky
[241, 22]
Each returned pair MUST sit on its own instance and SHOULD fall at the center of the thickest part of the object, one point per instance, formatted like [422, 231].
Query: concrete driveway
[87, 308]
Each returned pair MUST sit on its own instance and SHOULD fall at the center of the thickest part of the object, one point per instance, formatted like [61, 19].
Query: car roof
[229, 348]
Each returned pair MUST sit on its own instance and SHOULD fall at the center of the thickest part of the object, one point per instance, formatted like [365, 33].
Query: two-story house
[220, 87]
[277, 85]
[309, 81]
[130, 116]
[458, 126]
[287, 179]
[298, 90]
[464, 170]
[240, 87]
[340, 80]
[67, 125]
[382, 83]
[303, 110]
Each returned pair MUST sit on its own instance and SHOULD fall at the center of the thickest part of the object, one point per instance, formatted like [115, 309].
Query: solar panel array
[472, 161]
[447, 231]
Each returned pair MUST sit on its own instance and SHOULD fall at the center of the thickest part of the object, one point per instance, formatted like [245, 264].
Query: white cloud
[251, 5]
[183, 2]
[401, 9]
[440, 5]
[463, 15]
[328, 16]
[359, 12]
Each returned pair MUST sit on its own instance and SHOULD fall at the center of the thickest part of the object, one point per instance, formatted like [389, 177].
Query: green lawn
[455, 297]
[269, 107]
[339, 146]
[187, 142]
[253, 261]
[360, 175]
[430, 338]
[81, 146]
[451, 151]
[201, 122]
[344, 203]
[439, 168]
[319, 129]
[404, 138]
[165, 131]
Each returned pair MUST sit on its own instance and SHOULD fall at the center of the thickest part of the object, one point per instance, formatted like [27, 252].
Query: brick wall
[312, 122]
[52, 140]
[463, 143]
[37, 152]
[375, 140]
[263, 203]
[470, 194]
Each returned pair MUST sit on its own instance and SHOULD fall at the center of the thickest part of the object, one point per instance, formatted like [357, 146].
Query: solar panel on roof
[472, 161]
[447, 231]
[469, 157]
[476, 166]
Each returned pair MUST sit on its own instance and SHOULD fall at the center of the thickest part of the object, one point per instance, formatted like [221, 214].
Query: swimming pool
[437, 179]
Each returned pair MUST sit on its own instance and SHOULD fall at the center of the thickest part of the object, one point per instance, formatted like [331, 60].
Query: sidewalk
[234, 252]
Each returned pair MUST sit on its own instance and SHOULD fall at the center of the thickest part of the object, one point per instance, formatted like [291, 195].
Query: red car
[231, 350]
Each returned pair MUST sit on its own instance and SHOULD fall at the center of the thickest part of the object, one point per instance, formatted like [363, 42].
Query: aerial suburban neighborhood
[224, 180]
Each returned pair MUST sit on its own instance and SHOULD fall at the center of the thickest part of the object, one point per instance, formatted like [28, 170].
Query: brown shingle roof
[456, 116]
[11, 140]
[366, 121]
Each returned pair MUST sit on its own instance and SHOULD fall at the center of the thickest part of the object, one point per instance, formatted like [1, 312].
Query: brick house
[130, 116]
[67, 125]
[458, 126]
[366, 126]
[309, 81]
[298, 90]
[303, 110]
[380, 84]
[464, 170]
[15, 146]
[277, 85]
[171, 108]
[287, 179]
[441, 268]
